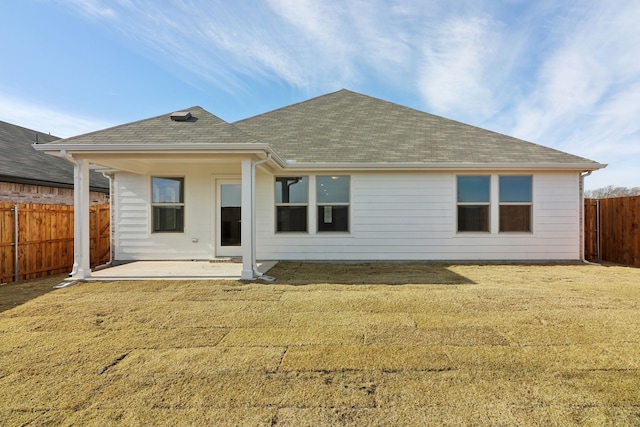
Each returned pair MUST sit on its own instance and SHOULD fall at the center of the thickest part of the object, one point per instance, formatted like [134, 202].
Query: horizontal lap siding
[134, 240]
[411, 216]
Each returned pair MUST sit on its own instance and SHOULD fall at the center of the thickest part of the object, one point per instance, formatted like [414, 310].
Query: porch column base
[247, 275]
[80, 273]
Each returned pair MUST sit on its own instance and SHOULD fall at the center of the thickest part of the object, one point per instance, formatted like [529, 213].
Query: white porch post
[81, 238]
[247, 223]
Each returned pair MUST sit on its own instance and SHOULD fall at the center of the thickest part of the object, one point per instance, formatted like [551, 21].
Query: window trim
[169, 204]
[321, 204]
[487, 203]
[530, 204]
[289, 204]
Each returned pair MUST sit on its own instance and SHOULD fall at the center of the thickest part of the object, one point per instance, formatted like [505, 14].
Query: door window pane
[230, 214]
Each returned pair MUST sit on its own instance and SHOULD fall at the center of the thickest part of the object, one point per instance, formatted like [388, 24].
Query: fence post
[16, 237]
[598, 228]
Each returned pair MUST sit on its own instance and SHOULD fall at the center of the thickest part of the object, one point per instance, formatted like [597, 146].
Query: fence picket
[619, 230]
[46, 239]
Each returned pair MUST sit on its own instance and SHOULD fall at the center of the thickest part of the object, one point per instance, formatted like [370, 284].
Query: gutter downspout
[111, 246]
[254, 262]
[583, 175]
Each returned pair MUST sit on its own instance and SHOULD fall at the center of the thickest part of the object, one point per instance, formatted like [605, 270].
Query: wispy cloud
[91, 8]
[585, 97]
[563, 74]
[453, 75]
[46, 120]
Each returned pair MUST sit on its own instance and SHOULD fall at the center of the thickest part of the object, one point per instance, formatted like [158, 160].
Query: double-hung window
[332, 198]
[292, 200]
[167, 204]
[473, 202]
[515, 203]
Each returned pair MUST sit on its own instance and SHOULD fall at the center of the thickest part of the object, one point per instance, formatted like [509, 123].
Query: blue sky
[565, 74]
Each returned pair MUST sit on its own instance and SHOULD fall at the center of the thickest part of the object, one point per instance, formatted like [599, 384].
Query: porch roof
[201, 128]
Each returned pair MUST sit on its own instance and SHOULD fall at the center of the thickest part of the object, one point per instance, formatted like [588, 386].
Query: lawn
[328, 344]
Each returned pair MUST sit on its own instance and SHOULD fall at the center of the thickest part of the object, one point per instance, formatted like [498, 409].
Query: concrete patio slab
[176, 270]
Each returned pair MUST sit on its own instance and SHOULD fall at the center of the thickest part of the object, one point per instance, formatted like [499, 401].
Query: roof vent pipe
[180, 116]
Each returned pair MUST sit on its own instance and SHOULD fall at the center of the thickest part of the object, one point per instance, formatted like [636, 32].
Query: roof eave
[209, 148]
[587, 166]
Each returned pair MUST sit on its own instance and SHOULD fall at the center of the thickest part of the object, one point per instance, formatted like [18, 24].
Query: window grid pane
[291, 200]
[291, 218]
[333, 218]
[473, 218]
[473, 189]
[167, 190]
[473, 197]
[332, 189]
[515, 189]
[333, 196]
[515, 218]
[167, 202]
[516, 203]
[292, 189]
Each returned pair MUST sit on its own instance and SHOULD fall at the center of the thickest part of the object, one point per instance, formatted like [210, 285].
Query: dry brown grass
[377, 344]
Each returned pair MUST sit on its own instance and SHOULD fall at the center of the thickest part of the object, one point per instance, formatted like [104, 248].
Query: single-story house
[28, 176]
[343, 176]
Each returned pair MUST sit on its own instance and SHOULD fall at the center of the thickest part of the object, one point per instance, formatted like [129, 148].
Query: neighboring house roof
[341, 128]
[20, 163]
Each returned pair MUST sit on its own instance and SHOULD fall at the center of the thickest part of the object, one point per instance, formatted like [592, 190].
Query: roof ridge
[29, 129]
[295, 104]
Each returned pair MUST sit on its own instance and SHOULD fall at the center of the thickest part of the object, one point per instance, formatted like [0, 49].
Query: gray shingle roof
[341, 127]
[202, 128]
[349, 127]
[19, 162]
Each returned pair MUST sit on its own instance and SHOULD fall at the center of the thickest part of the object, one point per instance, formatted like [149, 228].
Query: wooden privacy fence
[612, 230]
[45, 239]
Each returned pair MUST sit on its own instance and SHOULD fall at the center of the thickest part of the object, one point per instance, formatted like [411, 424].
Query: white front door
[228, 217]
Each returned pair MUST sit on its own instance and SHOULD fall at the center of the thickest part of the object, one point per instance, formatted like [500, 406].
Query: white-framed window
[515, 203]
[473, 203]
[292, 203]
[333, 201]
[167, 204]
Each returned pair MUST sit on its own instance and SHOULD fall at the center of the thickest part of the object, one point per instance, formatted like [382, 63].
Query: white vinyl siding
[132, 198]
[393, 216]
[412, 216]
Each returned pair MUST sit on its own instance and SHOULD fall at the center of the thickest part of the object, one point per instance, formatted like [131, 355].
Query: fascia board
[241, 148]
[444, 166]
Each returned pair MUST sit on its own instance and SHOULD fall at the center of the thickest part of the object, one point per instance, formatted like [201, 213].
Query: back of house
[343, 176]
